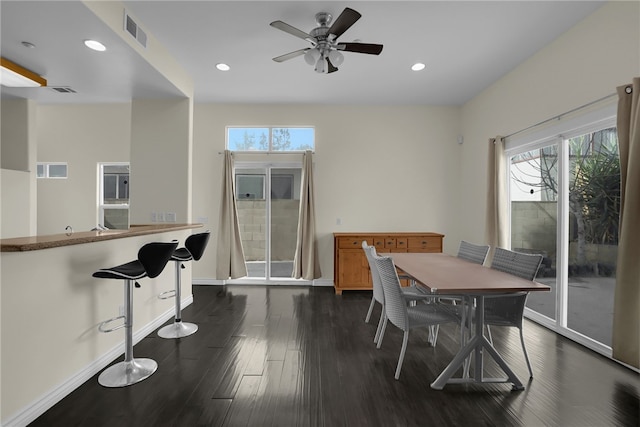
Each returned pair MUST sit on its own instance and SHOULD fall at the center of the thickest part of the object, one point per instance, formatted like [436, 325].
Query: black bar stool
[193, 250]
[152, 258]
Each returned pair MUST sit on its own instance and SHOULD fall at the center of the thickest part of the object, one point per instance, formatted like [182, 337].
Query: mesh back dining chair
[473, 253]
[410, 293]
[508, 310]
[402, 316]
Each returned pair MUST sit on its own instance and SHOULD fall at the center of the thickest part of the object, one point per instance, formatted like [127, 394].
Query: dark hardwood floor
[290, 356]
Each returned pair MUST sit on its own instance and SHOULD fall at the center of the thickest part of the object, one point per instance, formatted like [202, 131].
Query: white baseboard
[53, 396]
[204, 281]
[323, 282]
[210, 282]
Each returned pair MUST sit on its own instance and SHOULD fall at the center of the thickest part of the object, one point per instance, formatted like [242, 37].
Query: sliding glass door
[565, 204]
[534, 212]
[592, 232]
[268, 198]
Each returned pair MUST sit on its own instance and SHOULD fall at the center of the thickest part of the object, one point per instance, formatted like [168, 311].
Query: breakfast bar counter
[33, 243]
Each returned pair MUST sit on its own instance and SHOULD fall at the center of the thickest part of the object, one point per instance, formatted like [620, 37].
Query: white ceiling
[466, 45]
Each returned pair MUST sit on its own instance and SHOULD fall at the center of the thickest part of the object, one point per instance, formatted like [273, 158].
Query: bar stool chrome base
[123, 374]
[178, 330]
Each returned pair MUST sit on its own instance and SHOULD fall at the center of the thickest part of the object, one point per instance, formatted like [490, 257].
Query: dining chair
[508, 310]
[410, 294]
[402, 316]
[472, 252]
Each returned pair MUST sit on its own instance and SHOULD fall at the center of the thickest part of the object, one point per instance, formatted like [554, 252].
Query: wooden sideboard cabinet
[350, 267]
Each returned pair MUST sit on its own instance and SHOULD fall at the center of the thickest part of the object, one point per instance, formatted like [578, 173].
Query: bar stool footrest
[101, 326]
[167, 294]
[124, 373]
[177, 330]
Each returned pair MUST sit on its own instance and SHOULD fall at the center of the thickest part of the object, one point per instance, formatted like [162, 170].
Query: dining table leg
[476, 345]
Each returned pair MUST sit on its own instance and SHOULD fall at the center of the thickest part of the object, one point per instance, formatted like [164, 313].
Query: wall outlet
[338, 221]
[170, 217]
[121, 310]
[154, 217]
[160, 217]
[203, 219]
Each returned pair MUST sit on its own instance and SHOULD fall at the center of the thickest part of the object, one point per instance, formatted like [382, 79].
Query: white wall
[82, 136]
[19, 146]
[15, 203]
[17, 115]
[160, 159]
[382, 168]
[586, 63]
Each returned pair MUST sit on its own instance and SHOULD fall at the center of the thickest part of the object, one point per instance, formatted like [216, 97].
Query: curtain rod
[265, 152]
[561, 115]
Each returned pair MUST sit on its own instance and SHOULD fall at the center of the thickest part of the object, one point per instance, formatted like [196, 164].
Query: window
[113, 198]
[270, 139]
[564, 203]
[51, 170]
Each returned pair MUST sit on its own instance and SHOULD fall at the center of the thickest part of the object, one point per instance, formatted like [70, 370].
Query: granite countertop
[34, 243]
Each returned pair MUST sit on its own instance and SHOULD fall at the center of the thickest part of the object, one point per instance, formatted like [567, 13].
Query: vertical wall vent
[132, 27]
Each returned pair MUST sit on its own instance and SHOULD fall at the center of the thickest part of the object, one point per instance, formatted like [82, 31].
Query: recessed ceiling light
[29, 45]
[418, 66]
[223, 67]
[95, 45]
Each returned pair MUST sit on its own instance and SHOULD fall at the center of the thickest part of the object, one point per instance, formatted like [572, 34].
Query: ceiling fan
[324, 52]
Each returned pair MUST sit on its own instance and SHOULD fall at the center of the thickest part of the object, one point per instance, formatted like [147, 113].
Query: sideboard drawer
[401, 243]
[425, 243]
[353, 242]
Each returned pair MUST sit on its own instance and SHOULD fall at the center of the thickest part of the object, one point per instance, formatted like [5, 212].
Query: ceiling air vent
[62, 89]
[131, 27]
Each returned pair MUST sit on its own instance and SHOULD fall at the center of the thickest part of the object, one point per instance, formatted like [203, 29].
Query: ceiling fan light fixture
[336, 58]
[321, 65]
[312, 56]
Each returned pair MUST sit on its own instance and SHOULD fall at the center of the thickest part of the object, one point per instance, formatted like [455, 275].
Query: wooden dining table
[443, 274]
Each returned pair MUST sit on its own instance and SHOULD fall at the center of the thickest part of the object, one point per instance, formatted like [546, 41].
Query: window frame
[47, 167]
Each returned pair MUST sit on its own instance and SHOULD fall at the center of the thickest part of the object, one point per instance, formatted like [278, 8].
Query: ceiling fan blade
[290, 55]
[292, 30]
[371, 49]
[347, 18]
[331, 67]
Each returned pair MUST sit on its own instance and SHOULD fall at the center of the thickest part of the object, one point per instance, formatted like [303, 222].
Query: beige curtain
[497, 209]
[626, 308]
[306, 264]
[230, 260]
